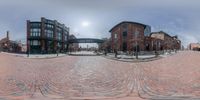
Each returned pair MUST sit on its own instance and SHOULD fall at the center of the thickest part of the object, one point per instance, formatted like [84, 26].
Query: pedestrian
[57, 52]
[156, 53]
[115, 53]
[105, 51]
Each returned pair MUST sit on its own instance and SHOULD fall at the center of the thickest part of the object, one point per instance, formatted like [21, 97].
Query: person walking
[115, 53]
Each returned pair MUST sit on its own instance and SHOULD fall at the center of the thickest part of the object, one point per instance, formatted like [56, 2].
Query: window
[147, 31]
[34, 42]
[59, 45]
[49, 33]
[59, 33]
[115, 35]
[50, 43]
[65, 37]
[35, 25]
[49, 21]
[59, 36]
[125, 34]
[136, 33]
[49, 26]
[36, 32]
[159, 44]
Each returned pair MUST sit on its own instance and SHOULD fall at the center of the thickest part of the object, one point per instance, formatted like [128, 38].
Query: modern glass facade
[147, 30]
[47, 36]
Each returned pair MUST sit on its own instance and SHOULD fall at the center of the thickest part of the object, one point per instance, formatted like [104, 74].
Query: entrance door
[154, 47]
[124, 46]
[147, 47]
[137, 48]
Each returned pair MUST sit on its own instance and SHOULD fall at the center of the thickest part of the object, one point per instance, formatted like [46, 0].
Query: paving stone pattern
[95, 77]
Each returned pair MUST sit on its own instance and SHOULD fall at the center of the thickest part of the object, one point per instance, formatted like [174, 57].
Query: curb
[134, 60]
[84, 55]
[40, 58]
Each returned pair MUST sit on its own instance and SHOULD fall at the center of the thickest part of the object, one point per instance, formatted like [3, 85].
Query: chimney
[8, 35]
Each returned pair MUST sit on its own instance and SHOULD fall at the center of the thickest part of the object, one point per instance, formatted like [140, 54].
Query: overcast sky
[176, 17]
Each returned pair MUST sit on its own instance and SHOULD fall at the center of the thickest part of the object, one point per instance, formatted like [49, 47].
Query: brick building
[153, 44]
[194, 46]
[128, 36]
[177, 43]
[46, 36]
[132, 36]
[167, 42]
[8, 45]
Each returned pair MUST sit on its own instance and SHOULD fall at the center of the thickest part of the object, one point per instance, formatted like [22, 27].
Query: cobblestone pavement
[94, 77]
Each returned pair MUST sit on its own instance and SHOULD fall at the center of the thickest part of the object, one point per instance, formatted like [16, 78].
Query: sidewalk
[85, 53]
[141, 58]
[40, 56]
[46, 56]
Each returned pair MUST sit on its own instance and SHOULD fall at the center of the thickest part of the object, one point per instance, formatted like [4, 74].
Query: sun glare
[85, 23]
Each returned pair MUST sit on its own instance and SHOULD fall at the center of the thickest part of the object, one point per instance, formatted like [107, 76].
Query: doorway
[124, 46]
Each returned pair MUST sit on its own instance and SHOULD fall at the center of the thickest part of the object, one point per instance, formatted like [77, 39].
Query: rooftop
[129, 23]
[160, 32]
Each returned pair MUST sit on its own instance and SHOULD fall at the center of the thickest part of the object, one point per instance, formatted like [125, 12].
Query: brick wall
[130, 38]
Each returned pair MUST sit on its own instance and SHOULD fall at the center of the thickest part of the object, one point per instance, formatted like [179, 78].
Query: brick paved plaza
[95, 77]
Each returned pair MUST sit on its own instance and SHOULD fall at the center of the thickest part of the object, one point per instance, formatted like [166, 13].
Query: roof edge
[127, 22]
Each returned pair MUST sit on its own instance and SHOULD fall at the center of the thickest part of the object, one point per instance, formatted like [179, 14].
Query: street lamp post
[136, 36]
[57, 50]
[156, 52]
[28, 53]
[6, 46]
[115, 45]
[115, 50]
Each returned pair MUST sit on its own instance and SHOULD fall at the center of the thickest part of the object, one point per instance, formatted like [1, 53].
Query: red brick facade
[8, 45]
[152, 44]
[168, 42]
[127, 36]
[194, 46]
